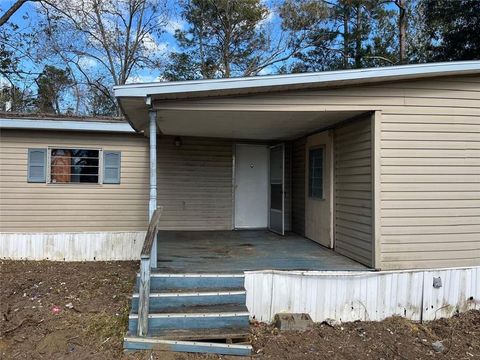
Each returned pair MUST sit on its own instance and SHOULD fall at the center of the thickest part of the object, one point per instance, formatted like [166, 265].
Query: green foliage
[341, 34]
[51, 83]
[451, 29]
[222, 40]
[100, 101]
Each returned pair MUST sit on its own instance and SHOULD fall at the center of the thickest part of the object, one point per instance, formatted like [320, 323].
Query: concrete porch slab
[243, 250]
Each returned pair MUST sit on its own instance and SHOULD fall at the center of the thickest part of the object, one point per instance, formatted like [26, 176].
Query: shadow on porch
[238, 251]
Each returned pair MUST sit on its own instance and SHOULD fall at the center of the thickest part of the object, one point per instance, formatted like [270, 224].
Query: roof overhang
[235, 86]
[136, 99]
[65, 125]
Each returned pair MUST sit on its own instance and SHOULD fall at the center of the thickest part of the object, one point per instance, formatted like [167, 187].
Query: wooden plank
[144, 295]
[151, 233]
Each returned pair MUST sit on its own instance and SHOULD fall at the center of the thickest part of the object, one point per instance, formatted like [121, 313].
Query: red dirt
[98, 298]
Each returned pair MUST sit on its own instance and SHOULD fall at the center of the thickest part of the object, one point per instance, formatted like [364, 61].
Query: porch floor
[238, 251]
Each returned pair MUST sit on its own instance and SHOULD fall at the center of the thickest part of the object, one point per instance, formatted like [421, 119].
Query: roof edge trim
[65, 125]
[355, 76]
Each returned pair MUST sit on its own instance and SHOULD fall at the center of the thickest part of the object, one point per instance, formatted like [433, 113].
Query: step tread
[195, 290]
[160, 272]
[202, 309]
[144, 343]
[215, 308]
[200, 334]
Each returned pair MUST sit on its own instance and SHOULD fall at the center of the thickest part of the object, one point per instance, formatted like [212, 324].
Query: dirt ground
[53, 310]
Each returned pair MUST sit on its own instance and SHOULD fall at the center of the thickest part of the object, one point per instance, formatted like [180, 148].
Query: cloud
[269, 18]
[142, 79]
[175, 24]
[151, 45]
[87, 62]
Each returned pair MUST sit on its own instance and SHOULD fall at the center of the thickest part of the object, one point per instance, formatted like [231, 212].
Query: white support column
[152, 205]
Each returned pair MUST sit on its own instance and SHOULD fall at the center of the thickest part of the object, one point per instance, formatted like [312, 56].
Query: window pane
[74, 166]
[315, 171]
[276, 196]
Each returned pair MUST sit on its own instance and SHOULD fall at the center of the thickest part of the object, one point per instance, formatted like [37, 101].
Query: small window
[74, 166]
[315, 173]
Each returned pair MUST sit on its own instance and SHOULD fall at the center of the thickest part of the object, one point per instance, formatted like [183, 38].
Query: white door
[251, 186]
[277, 189]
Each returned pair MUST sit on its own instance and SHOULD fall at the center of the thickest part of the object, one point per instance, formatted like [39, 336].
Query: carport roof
[234, 86]
[136, 99]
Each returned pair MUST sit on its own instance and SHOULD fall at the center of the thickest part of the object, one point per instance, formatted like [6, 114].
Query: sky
[27, 16]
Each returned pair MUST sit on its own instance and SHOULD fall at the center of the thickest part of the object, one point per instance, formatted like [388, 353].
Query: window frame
[49, 164]
[310, 149]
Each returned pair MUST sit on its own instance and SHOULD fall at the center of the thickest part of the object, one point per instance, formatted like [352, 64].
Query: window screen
[315, 173]
[74, 166]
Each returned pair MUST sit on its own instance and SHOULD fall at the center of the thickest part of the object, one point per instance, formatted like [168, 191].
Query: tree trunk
[402, 30]
[346, 37]
[358, 38]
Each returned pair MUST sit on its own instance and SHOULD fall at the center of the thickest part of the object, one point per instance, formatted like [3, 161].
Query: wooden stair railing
[145, 266]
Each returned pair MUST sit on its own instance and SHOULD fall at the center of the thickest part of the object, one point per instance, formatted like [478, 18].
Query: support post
[152, 205]
[144, 297]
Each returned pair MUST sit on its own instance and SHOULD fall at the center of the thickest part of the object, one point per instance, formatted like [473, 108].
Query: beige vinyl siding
[298, 186]
[353, 191]
[195, 183]
[38, 207]
[430, 190]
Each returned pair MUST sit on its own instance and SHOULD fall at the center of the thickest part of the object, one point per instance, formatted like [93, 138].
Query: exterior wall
[72, 246]
[298, 186]
[365, 296]
[195, 183]
[430, 175]
[64, 208]
[353, 191]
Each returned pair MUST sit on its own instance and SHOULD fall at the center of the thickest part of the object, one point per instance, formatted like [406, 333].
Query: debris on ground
[292, 322]
[94, 300]
[438, 346]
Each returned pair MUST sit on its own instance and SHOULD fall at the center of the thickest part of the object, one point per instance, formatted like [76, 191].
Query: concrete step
[195, 317]
[133, 343]
[162, 301]
[161, 281]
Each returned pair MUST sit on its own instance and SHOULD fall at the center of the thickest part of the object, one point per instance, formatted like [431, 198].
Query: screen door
[277, 189]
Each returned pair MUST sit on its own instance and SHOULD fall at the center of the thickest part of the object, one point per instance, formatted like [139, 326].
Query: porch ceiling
[237, 124]
[255, 125]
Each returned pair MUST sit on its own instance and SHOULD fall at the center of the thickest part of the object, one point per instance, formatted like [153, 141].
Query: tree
[99, 103]
[226, 38]
[14, 99]
[112, 38]
[12, 10]
[52, 83]
[451, 29]
[351, 34]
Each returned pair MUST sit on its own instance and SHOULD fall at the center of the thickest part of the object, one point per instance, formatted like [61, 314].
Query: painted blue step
[163, 301]
[161, 281]
[213, 335]
[148, 343]
[195, 317]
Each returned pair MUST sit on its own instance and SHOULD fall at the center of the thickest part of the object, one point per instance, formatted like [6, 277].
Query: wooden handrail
[151, 233]
[145, 265]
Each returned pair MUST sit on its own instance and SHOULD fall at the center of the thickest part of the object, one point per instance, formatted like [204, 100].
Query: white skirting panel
[350, 296]
[72, 246]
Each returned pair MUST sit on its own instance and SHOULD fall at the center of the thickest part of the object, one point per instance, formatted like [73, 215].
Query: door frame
[282, 145]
